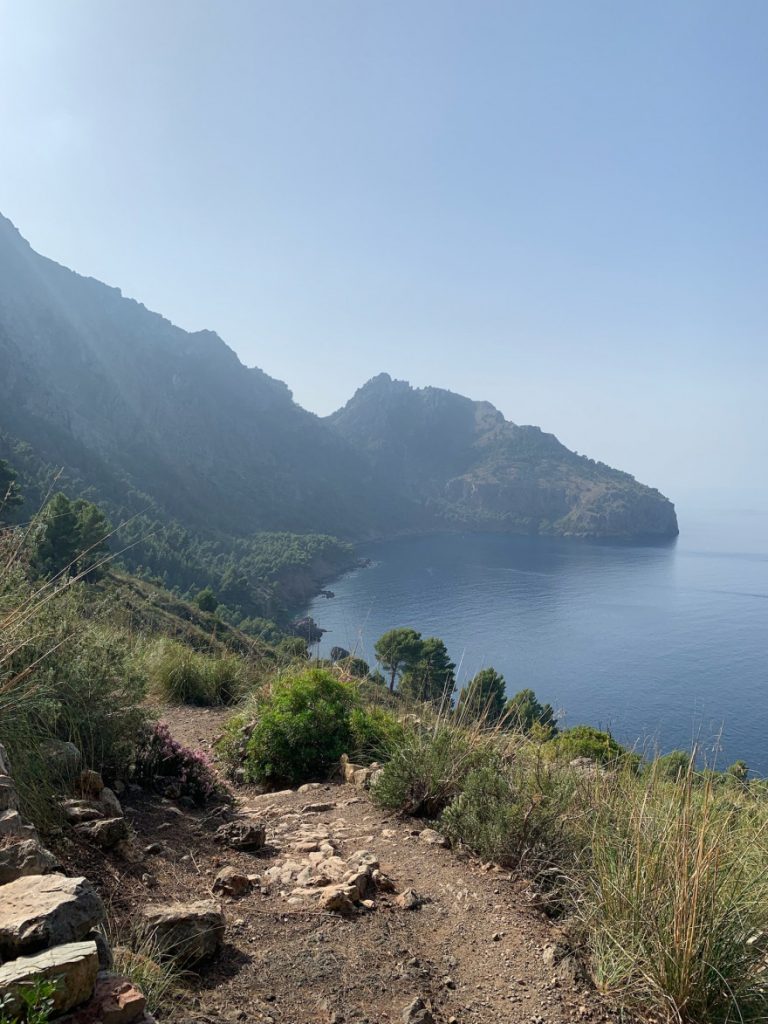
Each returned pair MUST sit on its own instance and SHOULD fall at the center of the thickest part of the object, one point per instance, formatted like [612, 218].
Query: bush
[511, 813]
[163, 764]
[303, 728]
[586, 741]
[428, 766]
[178, 674]
[374, 734]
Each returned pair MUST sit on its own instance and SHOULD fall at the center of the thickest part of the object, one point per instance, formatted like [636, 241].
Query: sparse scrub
[162, 763]
[513, 813]
[428, 767]
[155, 975]
[66, 673]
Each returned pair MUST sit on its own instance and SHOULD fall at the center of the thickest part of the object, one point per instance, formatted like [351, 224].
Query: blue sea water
[666, 645]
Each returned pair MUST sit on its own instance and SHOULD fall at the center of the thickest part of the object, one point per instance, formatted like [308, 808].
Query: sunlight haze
[556, 207]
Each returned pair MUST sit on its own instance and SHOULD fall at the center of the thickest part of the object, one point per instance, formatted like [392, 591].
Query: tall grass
[178, 674]
[65, 674]
[672, 890]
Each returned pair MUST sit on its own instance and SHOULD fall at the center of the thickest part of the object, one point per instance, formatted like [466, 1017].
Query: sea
[665, 645]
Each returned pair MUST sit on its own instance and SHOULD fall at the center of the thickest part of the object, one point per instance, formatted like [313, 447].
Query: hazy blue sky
[558, 206]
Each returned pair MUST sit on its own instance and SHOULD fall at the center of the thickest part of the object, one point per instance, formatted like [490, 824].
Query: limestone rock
[318, 808]
[46, 910]
[103, 948]
[110, 804]
[78, 811]
[432, 838]
[19, 857]
[242, 834]
[106, 833]
[187, 932]
[232, 882]
[63, 757]
[339, 898]
[11, 824]
[73, 966]
[408, 900]
[417, 1013]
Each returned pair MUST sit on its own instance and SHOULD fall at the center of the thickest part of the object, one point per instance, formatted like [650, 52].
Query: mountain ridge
[143, 414]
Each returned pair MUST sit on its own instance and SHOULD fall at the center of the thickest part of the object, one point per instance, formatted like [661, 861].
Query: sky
[556, 206]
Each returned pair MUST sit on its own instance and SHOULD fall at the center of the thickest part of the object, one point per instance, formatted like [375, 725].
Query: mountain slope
[149, 418]
[119, 395]
[467, 464]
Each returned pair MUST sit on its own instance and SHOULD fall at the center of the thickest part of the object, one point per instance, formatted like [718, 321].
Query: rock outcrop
[50, 923]
[188, 933]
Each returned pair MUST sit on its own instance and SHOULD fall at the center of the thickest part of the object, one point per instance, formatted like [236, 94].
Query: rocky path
[347, 914]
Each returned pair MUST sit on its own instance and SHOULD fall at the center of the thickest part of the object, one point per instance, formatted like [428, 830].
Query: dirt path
[473, 950]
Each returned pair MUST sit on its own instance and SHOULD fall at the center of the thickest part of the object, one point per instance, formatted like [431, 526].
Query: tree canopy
[397, 650]
[71, 538]
[524, 711]
[483, 696]
[430, 674]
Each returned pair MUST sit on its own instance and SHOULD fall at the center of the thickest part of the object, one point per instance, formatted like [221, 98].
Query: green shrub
[511, 813]
[303, 728]
[178, 674]
[374, 734]
[586, 741]
[355, 667]
[428, 766]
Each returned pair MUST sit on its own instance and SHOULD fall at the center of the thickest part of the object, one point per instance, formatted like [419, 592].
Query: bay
[665, 645]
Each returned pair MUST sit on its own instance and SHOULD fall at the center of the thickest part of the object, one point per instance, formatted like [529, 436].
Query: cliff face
[138, 411]
[467, 465]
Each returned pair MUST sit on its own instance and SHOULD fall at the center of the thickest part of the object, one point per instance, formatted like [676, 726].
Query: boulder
[63, 757]
[106, 833]
[46, 910]
[187, 932]
[19, 857]
[90, 784]
[110, 804]
[78, 811]
[11, 824]
[232, 882]
[103, 948]
[242, 834]
[74, 966]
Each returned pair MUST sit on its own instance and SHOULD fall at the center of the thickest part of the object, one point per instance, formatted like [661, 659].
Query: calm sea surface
[662, 644]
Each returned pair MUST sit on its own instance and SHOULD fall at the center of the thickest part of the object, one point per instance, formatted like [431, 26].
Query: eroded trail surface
[428, 935]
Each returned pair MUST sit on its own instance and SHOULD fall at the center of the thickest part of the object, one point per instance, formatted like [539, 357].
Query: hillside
[467, 465]
[211, 458]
